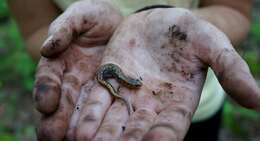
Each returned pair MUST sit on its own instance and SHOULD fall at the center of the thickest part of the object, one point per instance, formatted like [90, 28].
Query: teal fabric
[212, 98]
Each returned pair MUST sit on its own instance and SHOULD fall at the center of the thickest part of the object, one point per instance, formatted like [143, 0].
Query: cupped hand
[75, 47]
[170, 50]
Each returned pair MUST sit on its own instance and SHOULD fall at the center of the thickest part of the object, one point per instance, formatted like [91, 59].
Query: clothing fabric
[206, 130]
[212, 98]
[129, 6]
[212, 95]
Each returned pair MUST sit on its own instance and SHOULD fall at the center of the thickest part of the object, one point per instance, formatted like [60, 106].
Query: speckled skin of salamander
[110, 70]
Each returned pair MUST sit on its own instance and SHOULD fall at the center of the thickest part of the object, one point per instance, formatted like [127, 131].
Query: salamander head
[135, 83]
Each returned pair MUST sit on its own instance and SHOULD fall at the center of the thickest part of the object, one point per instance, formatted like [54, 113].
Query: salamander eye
[138, 83]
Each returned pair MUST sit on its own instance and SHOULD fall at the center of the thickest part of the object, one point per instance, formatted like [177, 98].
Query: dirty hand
[75, 44]
[170, 50]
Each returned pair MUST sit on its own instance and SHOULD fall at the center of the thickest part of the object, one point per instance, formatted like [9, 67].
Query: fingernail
[48, 47]
[47, 41]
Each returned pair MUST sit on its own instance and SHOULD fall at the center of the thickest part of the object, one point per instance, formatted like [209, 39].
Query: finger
[92, 41]
[231, 70]
[92, 113]
[138, 124]
[60, 36]
[53, 127]
[84, 93]
[114, 122]
[236, 79]
[161, 132]
[171, 124]
[47, 87]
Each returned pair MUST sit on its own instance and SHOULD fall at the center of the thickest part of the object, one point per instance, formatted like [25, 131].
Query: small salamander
[113, 71]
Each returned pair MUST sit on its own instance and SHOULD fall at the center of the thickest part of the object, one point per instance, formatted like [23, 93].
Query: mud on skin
[173, 77]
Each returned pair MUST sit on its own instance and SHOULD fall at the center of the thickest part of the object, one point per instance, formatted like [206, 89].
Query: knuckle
[72, 80]
[134, 134]
[179, 112]
[90, 117]
[149, 137]
[69, 94]
[184, 111]
[81, 136]
[103, 137]
[46, 79]
[109, 130]
[160, 133]
[144, 115]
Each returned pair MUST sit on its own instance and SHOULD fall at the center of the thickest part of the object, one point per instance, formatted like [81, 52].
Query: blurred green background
[17, 114]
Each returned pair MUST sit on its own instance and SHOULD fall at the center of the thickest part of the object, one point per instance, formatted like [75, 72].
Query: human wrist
[35, 40]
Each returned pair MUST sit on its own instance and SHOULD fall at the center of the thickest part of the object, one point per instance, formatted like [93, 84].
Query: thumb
[232, 71]
[60, 36]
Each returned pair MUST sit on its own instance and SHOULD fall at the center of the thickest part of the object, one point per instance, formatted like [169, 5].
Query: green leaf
[5, 136]
[3, 8]
[252, 60]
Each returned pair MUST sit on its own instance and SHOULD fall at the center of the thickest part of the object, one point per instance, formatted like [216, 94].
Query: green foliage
[5, 136]
[3, 8]
[255, 30]
[238, 119]
[251, 47]
[15, 62]
[253, 61]
[13, 126]
[16, 82]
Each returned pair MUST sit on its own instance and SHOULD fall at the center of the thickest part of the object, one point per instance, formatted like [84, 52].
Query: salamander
[110, 70]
